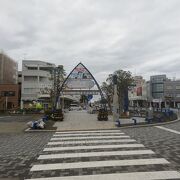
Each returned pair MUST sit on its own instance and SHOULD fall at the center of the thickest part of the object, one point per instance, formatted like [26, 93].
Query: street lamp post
[115, 101]
[58, 80]
[6, 103]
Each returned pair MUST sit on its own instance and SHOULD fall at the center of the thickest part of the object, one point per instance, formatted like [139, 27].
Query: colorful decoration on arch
[80, 78]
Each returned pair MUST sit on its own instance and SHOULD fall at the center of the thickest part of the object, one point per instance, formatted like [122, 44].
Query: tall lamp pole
[115, 100]
[6, 103]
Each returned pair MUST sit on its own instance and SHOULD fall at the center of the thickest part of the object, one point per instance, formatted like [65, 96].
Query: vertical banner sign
[139, 91]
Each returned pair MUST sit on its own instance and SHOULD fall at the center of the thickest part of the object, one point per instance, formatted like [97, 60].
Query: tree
[124, 80]
[107, 89]
[83, 98]
[58, 76]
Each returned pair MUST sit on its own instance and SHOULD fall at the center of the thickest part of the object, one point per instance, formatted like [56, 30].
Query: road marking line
[85, 135]
[93, 147]
[117, 137]
[154, 175]
[94, 137]
[167, 129]
[93, 131]
[89, 134]
[90, 141]
[132, 162]
[96, 154]
[5, 116]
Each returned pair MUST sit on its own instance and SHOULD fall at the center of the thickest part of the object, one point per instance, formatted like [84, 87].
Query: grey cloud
[105, 35]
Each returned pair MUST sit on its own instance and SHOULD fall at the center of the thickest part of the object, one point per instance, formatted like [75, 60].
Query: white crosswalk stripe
[94, 137]
[104, 149]
[89, 134]
[93, 147]
[91, 141]
[135, 162]
[93, 131]
[98, 154]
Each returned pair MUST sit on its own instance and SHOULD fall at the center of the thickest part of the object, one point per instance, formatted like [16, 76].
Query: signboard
[80, 78]
[157, 100]
[89, 97]
[139, 91]
[168, 98]
[8, 93]
[81, 92]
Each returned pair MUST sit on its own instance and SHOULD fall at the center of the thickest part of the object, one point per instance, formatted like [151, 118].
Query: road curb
[124, 127]
[150, 125]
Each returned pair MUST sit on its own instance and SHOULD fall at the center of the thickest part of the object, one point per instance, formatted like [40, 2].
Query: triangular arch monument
[81, 81]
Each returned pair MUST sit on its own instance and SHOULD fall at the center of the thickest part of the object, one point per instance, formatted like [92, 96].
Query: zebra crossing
[99, 155]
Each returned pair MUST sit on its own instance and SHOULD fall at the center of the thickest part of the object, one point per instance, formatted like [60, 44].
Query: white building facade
[36, 82]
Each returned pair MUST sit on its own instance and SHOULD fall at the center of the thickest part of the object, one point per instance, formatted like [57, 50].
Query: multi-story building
[8, 69]
[164, 92]
[157, 86]
[9, 96]
[36, 82]
[172, 93]
[138, 93]
[20, 77]
[157, 90]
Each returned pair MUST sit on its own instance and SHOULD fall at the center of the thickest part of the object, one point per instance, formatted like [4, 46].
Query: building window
[157, 95]
[32, 68]
[43, 79]
[178, 87]
[178, 95]
[8, 93]
[157, 87]
[30, 78]
[30, 90]
[169, 87]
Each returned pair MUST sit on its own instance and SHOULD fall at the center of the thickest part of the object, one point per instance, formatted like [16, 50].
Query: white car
[74, 107]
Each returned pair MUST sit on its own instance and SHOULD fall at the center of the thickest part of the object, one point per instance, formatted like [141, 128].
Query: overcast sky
[142, 36]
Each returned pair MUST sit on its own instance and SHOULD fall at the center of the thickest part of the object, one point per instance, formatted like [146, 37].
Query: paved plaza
[100, 153]
[80, 120]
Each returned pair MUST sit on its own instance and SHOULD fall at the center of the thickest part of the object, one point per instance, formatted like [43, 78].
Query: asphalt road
[19, 150]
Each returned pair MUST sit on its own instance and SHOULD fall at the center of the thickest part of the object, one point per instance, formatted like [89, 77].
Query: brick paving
[163, 143]
[19, 152]
[18, 149]
[103, 160]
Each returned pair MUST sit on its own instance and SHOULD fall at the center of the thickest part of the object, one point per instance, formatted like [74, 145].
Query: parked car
[75, 107]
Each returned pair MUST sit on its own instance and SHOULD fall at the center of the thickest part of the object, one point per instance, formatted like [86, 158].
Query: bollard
[135, 121]
[118, 123]
[148, 120]
[159, 119]
[45, 118]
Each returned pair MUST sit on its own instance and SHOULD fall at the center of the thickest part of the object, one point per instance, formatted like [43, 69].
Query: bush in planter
[48, 113]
